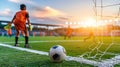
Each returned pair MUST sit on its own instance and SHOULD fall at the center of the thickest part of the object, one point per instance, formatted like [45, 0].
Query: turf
[76, 48]
[117, 65]
[15, 58]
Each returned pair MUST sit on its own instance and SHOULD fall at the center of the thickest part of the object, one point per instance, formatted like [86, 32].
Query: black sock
[16, 40]
[26, 39]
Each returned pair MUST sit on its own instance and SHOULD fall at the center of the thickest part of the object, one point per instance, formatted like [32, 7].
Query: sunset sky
[57, 11]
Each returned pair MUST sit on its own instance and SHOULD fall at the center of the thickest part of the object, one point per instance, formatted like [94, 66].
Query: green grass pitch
[74, 47]
[15, 58]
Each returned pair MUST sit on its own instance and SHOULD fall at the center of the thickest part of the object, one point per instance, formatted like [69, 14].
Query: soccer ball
[57, 53]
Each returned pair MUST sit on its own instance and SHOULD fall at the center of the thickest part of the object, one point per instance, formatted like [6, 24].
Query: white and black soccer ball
[57, 53]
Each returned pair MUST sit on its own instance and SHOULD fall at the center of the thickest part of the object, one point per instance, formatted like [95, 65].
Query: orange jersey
[20, 17]
[20, 20]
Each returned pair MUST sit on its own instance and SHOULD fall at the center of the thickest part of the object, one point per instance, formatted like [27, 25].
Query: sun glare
[90, 22]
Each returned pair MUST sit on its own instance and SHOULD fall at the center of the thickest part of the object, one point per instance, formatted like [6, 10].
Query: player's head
[23, 7]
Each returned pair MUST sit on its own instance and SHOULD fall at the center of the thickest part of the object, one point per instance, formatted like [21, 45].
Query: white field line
[82, 60]
[110, 62]
[25, 49]
[68, 58]
[48, 41]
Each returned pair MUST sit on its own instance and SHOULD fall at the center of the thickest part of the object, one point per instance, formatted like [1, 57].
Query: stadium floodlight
[116, 20]
[101, 21]
[66, 23]
[106, 21]
[110, 20]
[78, 23]
[70, 23]
[75, 23]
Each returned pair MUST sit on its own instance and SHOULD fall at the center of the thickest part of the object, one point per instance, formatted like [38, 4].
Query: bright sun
[90, 22]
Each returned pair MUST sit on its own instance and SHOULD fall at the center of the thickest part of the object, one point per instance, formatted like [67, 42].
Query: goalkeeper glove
[30, 27]
[7, 27]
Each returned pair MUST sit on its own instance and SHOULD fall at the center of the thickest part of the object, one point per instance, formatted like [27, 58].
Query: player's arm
[28, 20]
[12, 20]
[8, 26]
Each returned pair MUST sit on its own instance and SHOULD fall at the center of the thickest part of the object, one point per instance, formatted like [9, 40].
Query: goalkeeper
[19, 21]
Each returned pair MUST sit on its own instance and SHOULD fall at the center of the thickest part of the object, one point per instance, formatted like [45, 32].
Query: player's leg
[86, 38]
[69, 35]
[65, 36]
[26, 38]
[23, 33]
[9, 35]
[17, 37]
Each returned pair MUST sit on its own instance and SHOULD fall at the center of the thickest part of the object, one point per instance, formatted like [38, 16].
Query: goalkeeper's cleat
[16, 45]
[27, 46]
[7, 27]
